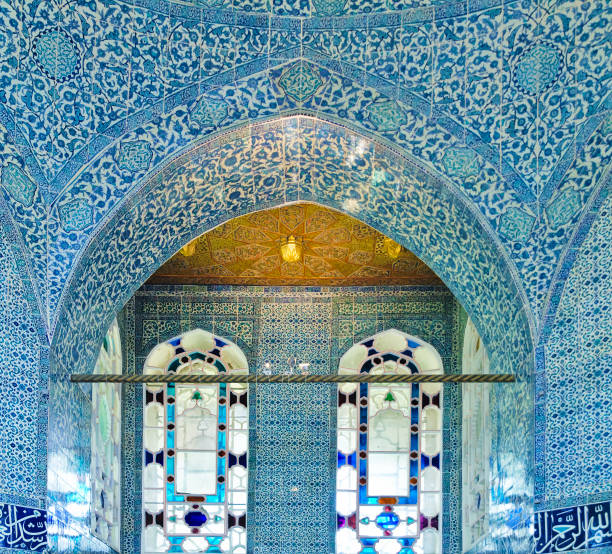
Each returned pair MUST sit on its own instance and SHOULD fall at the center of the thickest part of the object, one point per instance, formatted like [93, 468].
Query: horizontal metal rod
[294, 378]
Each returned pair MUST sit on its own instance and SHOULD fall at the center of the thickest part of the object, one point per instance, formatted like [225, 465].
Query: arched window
[476, 441]
[194, 479]
[106, 443]
[389, 479]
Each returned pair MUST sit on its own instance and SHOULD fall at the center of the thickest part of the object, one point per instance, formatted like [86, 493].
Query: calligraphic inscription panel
[23, 528]
[577, 528]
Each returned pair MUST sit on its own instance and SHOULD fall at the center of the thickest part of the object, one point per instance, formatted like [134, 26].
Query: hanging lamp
[291, 249]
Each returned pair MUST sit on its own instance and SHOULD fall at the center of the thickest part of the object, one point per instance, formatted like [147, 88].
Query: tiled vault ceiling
[337, 250]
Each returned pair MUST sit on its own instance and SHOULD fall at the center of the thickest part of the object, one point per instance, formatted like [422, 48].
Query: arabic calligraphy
[575, 528]
[23, 528]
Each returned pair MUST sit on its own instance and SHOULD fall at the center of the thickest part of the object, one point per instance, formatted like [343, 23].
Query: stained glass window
[106, 443]
[389, 479]
[194, 480]
[476, 441]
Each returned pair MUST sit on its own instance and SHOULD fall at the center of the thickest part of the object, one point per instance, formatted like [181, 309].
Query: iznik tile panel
[577, 528]
[22, 528]
[575, 448]
[22, 376]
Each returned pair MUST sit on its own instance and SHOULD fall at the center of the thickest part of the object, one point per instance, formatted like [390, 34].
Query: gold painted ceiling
[338, 250]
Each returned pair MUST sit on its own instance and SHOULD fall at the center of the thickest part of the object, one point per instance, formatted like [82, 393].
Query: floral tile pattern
[482, 128]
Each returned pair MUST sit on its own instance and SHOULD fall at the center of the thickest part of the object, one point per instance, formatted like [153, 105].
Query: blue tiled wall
[275, 325]
[508, 101]
[576, 448]
[22, 385]
[23, 403]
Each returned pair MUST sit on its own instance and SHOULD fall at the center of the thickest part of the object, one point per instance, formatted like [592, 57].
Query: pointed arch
[389, 484]
[195, 442]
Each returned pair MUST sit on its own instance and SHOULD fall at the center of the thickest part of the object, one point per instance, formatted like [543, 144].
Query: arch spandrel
[145, 149]
[421, 212]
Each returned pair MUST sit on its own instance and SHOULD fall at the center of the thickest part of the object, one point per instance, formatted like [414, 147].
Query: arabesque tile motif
[475, 133]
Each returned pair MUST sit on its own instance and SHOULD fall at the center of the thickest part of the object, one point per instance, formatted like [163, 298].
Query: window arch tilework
[157, 314]
[106, 443]
[195, 442]
[389, 479]
[476, 442]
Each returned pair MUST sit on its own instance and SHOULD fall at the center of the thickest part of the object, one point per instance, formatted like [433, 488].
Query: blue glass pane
[220, 465]
[387, 520]
[414, 494]
[221, 441]
[195, 518]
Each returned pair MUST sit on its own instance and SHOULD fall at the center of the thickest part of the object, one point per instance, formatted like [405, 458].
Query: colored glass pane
[195, 477]
[388, 488]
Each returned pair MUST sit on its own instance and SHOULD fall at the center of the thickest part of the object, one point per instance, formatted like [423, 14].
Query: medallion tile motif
[516, 224]
[209, 112]
[386, 116]
[57, 54]
[135, 156]
[18, 185]
[461, 162]
[301, 81]
[76, 215]
[538, 68]
[563, 208]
